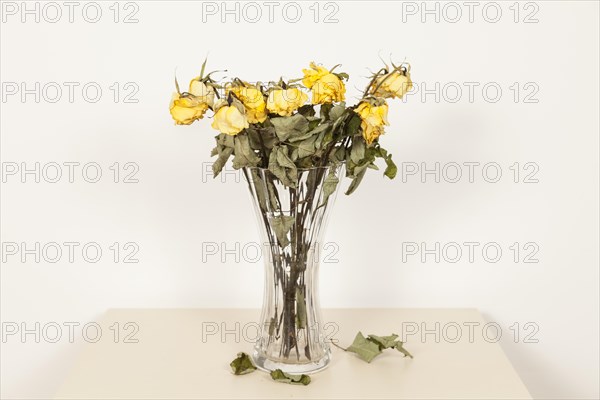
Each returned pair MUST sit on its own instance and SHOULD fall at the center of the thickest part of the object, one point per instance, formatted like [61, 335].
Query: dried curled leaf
[384, 342]
[290, 127]
[329, 185]
[370, 347]
[224, 149]
[400, 347]
[242, 364]
[280, 376]
[365, 349]
[282, 225]
[221, 160]
[337, 111]
[244, 155]
[283, 167]
[390, 342]
[357, 179]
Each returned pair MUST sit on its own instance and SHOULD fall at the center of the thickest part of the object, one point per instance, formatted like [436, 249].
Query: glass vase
[291, 222]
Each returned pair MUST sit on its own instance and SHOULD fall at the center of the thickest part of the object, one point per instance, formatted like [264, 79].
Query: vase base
[269, 365]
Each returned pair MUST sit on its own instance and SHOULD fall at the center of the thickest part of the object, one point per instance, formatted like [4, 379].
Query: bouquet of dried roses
[292, 153]
[274, 126]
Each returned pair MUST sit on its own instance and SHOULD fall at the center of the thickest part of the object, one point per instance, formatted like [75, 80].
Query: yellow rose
[394, 84]
[186, 109]
[374, 118]
[230, 120]
[312, 75]
[254, 102]
[285, 101]
[204, 92]
[328, 89]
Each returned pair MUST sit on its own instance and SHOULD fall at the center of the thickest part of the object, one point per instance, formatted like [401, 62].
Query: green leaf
[244, 155]
[307, 110]
[353, 125]
[220, 162]
[300, 137]
[311, 180]
[357, 179]
[324, 136]
[300, 309]
[363, 348]
[400, 347]
[283, 167]
[294, 155]
[384, 342]
[391, 169]
[307, 147]
[337, 111]
[389, 342]
[242, 364]
[324, 112]
[225, 140]
[306, 162]
[282, 225]
[339, 154]
[272, 326]
[321, 128]
[339, 122]
[280, 172]
[286, 127]
[283, 159]
[370, 347]
[318, 129]
[313, 122]
[257, 187]
[262, 136]
[329, 185]
[224, 149]
[357, 153]
[273, 198]
[280, 376]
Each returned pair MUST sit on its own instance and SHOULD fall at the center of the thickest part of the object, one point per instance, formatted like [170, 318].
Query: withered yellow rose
[374, 118]
[312, 75]
[326, 86]
[230, 120]
[187, 108]
[254, 102]
[202, 91]
[394, 84]
[285, 101]
[328, 89]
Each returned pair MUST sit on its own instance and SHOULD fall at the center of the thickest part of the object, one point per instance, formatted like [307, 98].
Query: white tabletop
[173, 360]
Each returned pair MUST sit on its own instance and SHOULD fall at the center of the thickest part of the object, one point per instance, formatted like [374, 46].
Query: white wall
[172, 211]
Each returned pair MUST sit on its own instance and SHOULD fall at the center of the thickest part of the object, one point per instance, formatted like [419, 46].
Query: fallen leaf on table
[280, 376]
[242, 364]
